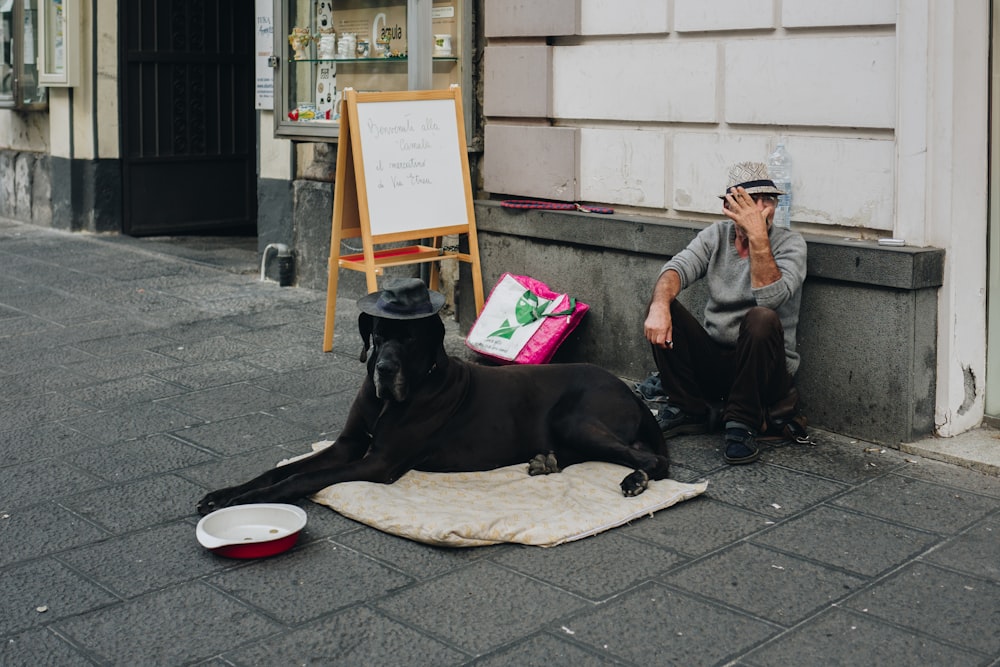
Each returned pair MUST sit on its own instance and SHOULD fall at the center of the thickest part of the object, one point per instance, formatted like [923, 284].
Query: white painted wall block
[702, 15]
[833, 81]
[530, 160]
[700, 164]
[530, 18]
[622, 167]
[614, 17]
[810, 13]
[614, 81]
[516, 81]
[842, 181]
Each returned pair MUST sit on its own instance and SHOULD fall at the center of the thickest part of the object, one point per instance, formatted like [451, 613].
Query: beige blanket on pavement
[503, 505]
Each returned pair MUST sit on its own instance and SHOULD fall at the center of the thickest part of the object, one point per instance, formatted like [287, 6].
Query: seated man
[745, 352]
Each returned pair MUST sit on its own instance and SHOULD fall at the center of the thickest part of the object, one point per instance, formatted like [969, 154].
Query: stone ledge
[839, 259]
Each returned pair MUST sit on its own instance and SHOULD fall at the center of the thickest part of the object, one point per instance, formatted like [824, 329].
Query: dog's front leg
[336, 455]
[309, 481]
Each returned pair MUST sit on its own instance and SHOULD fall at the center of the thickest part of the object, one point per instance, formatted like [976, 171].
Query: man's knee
[761, 323]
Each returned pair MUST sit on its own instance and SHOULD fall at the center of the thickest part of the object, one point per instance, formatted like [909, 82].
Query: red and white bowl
[251, 531]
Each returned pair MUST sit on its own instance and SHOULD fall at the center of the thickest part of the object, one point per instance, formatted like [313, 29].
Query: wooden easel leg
[331, 303]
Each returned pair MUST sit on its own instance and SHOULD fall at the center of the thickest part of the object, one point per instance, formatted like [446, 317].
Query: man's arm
[658, 326]
[752, 221]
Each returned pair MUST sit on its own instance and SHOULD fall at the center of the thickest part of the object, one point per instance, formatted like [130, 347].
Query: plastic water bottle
[779, 166]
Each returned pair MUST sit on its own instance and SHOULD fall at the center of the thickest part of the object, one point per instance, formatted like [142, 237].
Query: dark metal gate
[187, 115]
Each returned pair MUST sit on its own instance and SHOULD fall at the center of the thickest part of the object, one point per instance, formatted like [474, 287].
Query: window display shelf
[322, 47]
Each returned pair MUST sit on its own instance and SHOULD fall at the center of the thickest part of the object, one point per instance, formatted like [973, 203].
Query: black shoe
[674, 421]
[741, 446]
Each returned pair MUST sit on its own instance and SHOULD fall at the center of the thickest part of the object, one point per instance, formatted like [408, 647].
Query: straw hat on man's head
[752, 177]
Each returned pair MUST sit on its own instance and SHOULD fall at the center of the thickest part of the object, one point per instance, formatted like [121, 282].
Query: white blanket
[503, 505]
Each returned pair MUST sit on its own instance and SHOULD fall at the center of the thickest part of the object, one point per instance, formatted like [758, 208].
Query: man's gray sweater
[712, 255]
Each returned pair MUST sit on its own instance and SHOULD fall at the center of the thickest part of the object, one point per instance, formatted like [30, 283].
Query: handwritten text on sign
[412, 165]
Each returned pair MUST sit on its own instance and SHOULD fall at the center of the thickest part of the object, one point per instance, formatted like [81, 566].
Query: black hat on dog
[402, 299]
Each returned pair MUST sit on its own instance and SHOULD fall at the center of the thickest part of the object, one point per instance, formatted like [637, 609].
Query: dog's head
[403, 353]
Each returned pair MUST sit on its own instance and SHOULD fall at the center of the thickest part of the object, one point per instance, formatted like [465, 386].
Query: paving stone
[698, 526]
[40, 442]
[139, 299]
[36, 410]
[322, 523]
[271, 337]
[40, 530]
[919, 504]
[224, 402]
[133, 421]
[59, 307]
[841, 637]
[20, 355]
[480, 607]
[47, 585]
[65, 336]
[123, 392]
[207, 349]
[765, 583]
[310, 313]
[834, 459]
[544, 650]
[309, 581]
[654, 625]
[132, 506]
[976, 551]
[38, 481]
[770, 490]
[325, 416]
[234, 470]
[314, 382]
[697, 452]
[125, 365]
[211, 374]
[147, 560]
[16, 323]
[415, 559]
[356, 636]
[942, 604]
[853, 542]
[202, 329]
[596, 568]
[41, 381]
[117, 345]
[40, 647]
[953, 476]
[132, 459]
[291, 358]
[175, 626]
[246, 433]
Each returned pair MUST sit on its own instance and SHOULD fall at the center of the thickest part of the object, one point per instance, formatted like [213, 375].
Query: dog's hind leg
[592, 440]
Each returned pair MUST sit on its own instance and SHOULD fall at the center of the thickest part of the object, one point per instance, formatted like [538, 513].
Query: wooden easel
[402, 175]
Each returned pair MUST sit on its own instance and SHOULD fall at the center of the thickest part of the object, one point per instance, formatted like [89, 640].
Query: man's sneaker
[741, 446]
[674, 421]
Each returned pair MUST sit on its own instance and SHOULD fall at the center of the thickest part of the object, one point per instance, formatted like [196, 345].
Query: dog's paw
[543, 464]
[216, 500]
[635, 483]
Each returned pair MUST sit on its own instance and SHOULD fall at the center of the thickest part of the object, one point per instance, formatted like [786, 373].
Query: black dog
[420, 409]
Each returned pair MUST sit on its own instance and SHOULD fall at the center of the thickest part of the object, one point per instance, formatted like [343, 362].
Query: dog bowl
[251, 531]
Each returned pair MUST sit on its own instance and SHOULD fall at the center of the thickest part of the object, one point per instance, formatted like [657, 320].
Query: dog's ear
[365, 325]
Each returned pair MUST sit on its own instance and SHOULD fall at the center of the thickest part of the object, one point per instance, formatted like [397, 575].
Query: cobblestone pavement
[132, 381]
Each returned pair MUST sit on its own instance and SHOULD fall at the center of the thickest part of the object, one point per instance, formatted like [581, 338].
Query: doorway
[188, 125]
